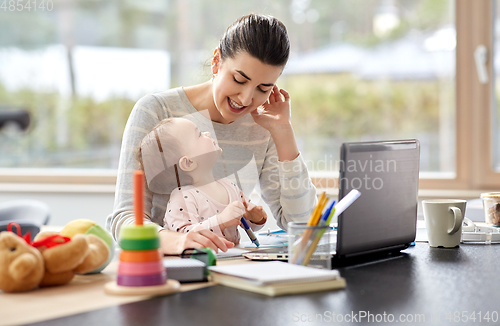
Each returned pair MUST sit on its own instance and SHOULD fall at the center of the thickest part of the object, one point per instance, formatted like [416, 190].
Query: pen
[313, 221]
[335, 211]
[325, 220]
[249, 231]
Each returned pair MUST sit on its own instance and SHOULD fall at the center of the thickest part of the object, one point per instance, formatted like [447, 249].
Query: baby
[197, 200]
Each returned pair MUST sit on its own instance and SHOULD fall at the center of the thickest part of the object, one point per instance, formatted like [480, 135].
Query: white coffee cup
[443, 220]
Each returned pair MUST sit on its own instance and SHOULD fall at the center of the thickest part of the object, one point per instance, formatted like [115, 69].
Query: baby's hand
[255, 214]
[231, 215]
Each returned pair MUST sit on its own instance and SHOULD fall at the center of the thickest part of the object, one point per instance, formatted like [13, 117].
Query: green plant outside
[325, 108]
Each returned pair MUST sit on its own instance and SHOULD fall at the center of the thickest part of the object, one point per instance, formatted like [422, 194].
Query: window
[477, 108]
[387, 71]
[359, 70]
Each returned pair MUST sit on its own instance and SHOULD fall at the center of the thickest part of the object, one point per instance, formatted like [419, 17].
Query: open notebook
[276, 278]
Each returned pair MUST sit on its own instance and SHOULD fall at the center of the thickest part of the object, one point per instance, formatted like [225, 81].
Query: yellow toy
[52, 259]
[83, 226]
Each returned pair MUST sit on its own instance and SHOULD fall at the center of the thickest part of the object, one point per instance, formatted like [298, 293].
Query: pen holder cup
[311, 245]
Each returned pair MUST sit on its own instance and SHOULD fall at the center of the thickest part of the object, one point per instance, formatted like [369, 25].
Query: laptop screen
[384, 217]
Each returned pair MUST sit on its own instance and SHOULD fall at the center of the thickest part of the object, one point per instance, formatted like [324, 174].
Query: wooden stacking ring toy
[140, 269]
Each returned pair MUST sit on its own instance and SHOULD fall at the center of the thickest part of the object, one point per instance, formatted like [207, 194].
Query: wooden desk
[439, 286]
[84, 293]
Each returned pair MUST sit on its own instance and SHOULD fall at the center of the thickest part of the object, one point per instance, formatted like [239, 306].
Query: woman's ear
[216, 61]
[186, 164]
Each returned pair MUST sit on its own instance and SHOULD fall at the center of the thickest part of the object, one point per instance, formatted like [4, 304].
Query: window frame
[474, 21]
[482, 173]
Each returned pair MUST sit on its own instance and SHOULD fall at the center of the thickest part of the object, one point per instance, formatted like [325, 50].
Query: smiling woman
[259, 149]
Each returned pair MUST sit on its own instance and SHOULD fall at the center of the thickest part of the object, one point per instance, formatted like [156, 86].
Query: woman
[259, 146]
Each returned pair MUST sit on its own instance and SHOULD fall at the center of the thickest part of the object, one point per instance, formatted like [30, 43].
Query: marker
[346, 202]
[249, 231]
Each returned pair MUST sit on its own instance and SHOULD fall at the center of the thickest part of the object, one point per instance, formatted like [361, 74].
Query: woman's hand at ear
[275, 117]
[275, 113]
[174, 243]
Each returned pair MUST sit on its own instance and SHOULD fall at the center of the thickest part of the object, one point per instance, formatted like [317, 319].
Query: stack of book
[276, 278]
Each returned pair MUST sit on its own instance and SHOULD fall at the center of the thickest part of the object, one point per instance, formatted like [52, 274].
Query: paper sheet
[231, 253]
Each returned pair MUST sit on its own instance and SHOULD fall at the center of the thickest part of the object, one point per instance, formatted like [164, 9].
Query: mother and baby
[205, 148]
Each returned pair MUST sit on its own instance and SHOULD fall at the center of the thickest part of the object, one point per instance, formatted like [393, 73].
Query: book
[276, 278]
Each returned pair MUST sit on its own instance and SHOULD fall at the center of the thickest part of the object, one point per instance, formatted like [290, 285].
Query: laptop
[382, 221]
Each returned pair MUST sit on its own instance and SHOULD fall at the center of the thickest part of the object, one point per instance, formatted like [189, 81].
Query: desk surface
[444, 286]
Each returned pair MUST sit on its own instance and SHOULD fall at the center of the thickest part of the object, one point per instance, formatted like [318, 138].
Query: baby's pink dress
[191, 209]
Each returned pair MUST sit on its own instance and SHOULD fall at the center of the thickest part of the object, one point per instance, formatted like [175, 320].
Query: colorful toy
[140, 269]
[83, 226]
[50, 260]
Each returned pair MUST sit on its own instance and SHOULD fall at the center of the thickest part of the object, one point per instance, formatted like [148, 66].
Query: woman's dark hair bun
[263, 37]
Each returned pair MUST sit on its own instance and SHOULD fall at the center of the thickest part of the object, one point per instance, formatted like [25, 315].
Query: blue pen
[317, 234]
[249, 231]
[325, 216]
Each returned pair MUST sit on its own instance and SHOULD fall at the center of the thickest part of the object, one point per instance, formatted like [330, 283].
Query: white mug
[443, 220]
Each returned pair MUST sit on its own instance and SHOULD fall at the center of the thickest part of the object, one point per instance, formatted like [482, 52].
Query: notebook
[382, 221]
[276, 278]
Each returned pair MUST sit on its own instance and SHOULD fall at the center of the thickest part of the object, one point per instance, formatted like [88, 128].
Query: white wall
[69, 206]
